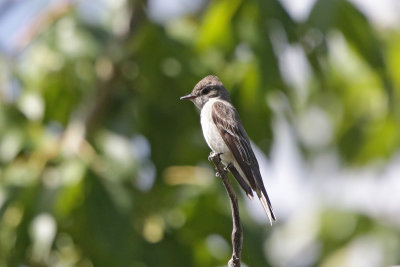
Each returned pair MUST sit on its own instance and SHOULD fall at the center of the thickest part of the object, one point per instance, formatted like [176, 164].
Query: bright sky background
[384, 13]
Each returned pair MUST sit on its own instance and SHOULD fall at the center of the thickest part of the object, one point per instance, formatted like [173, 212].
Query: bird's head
[209, 87]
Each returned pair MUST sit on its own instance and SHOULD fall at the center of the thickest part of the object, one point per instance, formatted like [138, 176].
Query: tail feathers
[243, 184]
[267, 207]
[250, 196]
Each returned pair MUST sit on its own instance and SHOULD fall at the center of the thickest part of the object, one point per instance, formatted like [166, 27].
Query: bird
[225, 135]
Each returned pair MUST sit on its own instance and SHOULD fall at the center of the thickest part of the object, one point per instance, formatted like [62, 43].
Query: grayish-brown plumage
[225, 135]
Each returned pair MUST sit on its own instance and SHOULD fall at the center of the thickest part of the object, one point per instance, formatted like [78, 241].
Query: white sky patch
[310, 120]
[383, 13]
[164, 10]
[10, 145]
[32, 105]
[295, 69]
[42, 231]
[298, 10]
[293, 63]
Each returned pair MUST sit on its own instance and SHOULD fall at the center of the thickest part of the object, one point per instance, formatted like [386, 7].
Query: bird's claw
[213, 155]
[220, 175]
[216, 159]
[226, 168]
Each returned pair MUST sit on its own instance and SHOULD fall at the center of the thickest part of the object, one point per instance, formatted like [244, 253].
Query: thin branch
[237, 233]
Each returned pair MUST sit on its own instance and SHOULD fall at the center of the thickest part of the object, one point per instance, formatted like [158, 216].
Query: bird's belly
[214, 139]
[212, 135]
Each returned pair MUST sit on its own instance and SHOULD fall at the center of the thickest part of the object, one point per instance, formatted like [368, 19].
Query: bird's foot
[214, 155]
[224, 171]
[221, 173]
[226, 168]
[216, 159]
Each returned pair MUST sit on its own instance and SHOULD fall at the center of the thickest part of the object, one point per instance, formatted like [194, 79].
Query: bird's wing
[232, 132]
[228, 124]
[242, 182]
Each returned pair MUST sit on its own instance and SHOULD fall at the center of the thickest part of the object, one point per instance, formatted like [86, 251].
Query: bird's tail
[266, 203]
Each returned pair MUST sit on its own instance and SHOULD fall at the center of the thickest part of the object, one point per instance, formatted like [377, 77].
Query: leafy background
[102, 165]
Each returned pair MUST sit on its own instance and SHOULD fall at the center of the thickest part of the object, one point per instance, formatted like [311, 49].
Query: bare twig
[237, 237]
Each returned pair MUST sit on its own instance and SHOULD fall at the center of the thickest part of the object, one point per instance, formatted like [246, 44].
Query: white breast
[211, 133]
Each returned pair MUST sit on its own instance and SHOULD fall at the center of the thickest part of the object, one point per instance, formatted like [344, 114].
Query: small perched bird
[225, 135]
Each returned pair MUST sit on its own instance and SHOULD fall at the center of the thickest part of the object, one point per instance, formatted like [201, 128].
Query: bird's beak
[188, 97]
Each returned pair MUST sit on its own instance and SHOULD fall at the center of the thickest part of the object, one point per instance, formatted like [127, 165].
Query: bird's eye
[205, 91]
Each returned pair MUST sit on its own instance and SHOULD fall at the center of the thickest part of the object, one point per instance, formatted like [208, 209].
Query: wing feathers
[229, 126]
[245, 186]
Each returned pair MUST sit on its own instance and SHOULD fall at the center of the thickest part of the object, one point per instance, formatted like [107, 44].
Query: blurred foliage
[94, 142]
